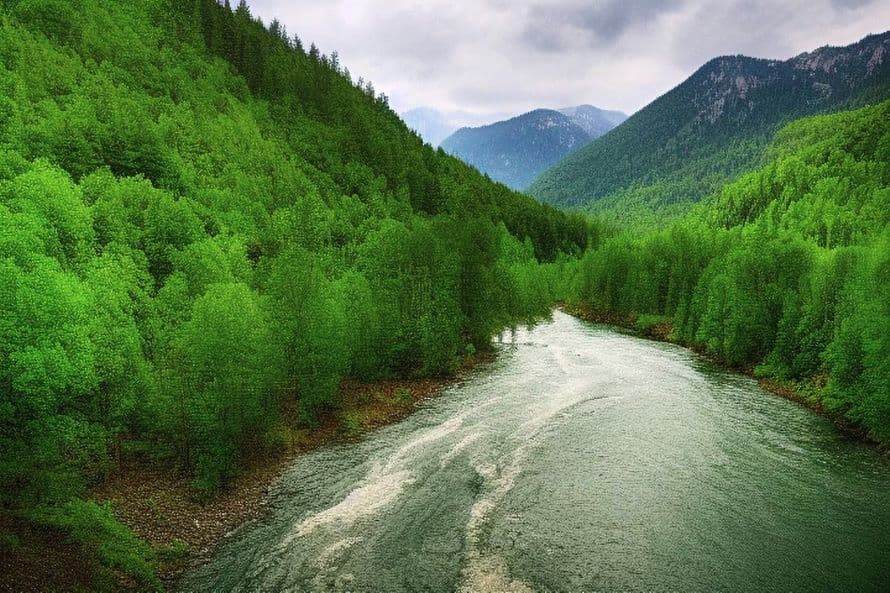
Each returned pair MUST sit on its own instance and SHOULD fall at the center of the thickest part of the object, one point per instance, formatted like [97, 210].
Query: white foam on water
[333, 552]
[490, 575]
[458, 448]
[484, 572]
[401, 455]
[383, 484]
[376, 493]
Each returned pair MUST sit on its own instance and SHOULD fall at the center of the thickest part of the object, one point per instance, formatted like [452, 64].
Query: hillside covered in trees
[786, 271]
[686, 144]
[204, 224]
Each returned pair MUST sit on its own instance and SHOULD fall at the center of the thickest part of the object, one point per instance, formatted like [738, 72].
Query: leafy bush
[94, 527]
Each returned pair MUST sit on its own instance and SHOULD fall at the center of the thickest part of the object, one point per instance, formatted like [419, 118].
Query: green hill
[206, 226]
[684, 145]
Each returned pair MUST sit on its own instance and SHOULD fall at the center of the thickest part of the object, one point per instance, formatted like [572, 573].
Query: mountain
[515, 151]
[432, 125]
[593, 120]
[713, 126]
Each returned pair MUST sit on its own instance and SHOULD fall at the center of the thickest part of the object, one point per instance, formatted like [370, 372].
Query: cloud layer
[495, 57]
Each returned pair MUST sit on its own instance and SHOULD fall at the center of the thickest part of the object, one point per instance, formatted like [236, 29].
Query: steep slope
[515, 151]
[593, 120]
[711, 127]
[433, 126]
[205, 227]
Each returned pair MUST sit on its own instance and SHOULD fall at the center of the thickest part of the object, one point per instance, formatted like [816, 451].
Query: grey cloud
[553, 27]
[487, 57]
[749, 27]
[851, 4]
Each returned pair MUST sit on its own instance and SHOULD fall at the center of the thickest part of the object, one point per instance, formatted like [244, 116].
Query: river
[582, 459]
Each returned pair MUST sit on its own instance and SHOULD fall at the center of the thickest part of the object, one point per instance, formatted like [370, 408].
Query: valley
[233, 277]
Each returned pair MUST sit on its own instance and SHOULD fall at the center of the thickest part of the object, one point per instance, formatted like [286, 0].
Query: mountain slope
[711, 127]
[204, 228]
[593, 120]
[515, 151]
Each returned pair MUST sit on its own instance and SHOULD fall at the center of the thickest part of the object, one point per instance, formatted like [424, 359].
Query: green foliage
[647, 323]
[172, 552]
[95, 528]
[204, 229]
[403, 395]
[858, 358]
[223, 366]
[351, 423]
[785, 271]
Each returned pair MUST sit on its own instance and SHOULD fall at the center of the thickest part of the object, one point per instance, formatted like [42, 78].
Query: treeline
[786, 271]
[204, 228]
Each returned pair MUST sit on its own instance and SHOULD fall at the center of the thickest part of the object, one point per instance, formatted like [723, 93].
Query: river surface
[581, 460]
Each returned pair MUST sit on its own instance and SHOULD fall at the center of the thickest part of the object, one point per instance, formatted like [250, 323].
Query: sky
[481, 60]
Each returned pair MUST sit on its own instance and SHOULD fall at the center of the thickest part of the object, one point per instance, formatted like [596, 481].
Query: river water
[581, 460]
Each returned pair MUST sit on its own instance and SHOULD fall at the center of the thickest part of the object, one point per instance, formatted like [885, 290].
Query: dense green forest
[206, 227]
[785, 272]
[204, 224]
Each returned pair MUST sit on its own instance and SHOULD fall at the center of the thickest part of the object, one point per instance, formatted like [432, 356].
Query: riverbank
[581, 446]
[807, 393]
[160, 506]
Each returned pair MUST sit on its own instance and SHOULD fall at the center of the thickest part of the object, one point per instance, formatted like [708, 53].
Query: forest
[785, 272]
[205, 227]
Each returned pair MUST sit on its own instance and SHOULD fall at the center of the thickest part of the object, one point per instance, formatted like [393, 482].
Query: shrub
[95, 527]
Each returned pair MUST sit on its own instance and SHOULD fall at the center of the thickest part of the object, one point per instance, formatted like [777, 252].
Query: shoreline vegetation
[806, 393]
[212, 236]
[782, 274]
[161, 507]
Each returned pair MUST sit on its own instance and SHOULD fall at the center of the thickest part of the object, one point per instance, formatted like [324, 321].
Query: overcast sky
[496, 57]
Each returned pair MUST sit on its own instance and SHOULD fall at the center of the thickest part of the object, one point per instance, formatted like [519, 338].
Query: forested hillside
[684, 145]
[206, 223]
[786, 271]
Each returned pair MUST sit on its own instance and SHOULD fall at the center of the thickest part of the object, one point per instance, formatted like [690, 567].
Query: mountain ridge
[711, 127]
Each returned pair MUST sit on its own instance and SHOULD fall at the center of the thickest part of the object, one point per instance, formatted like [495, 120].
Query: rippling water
[581, 460]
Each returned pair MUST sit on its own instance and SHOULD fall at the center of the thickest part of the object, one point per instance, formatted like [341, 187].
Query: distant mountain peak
[593, 120]
[431, 125]
[516, 150]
